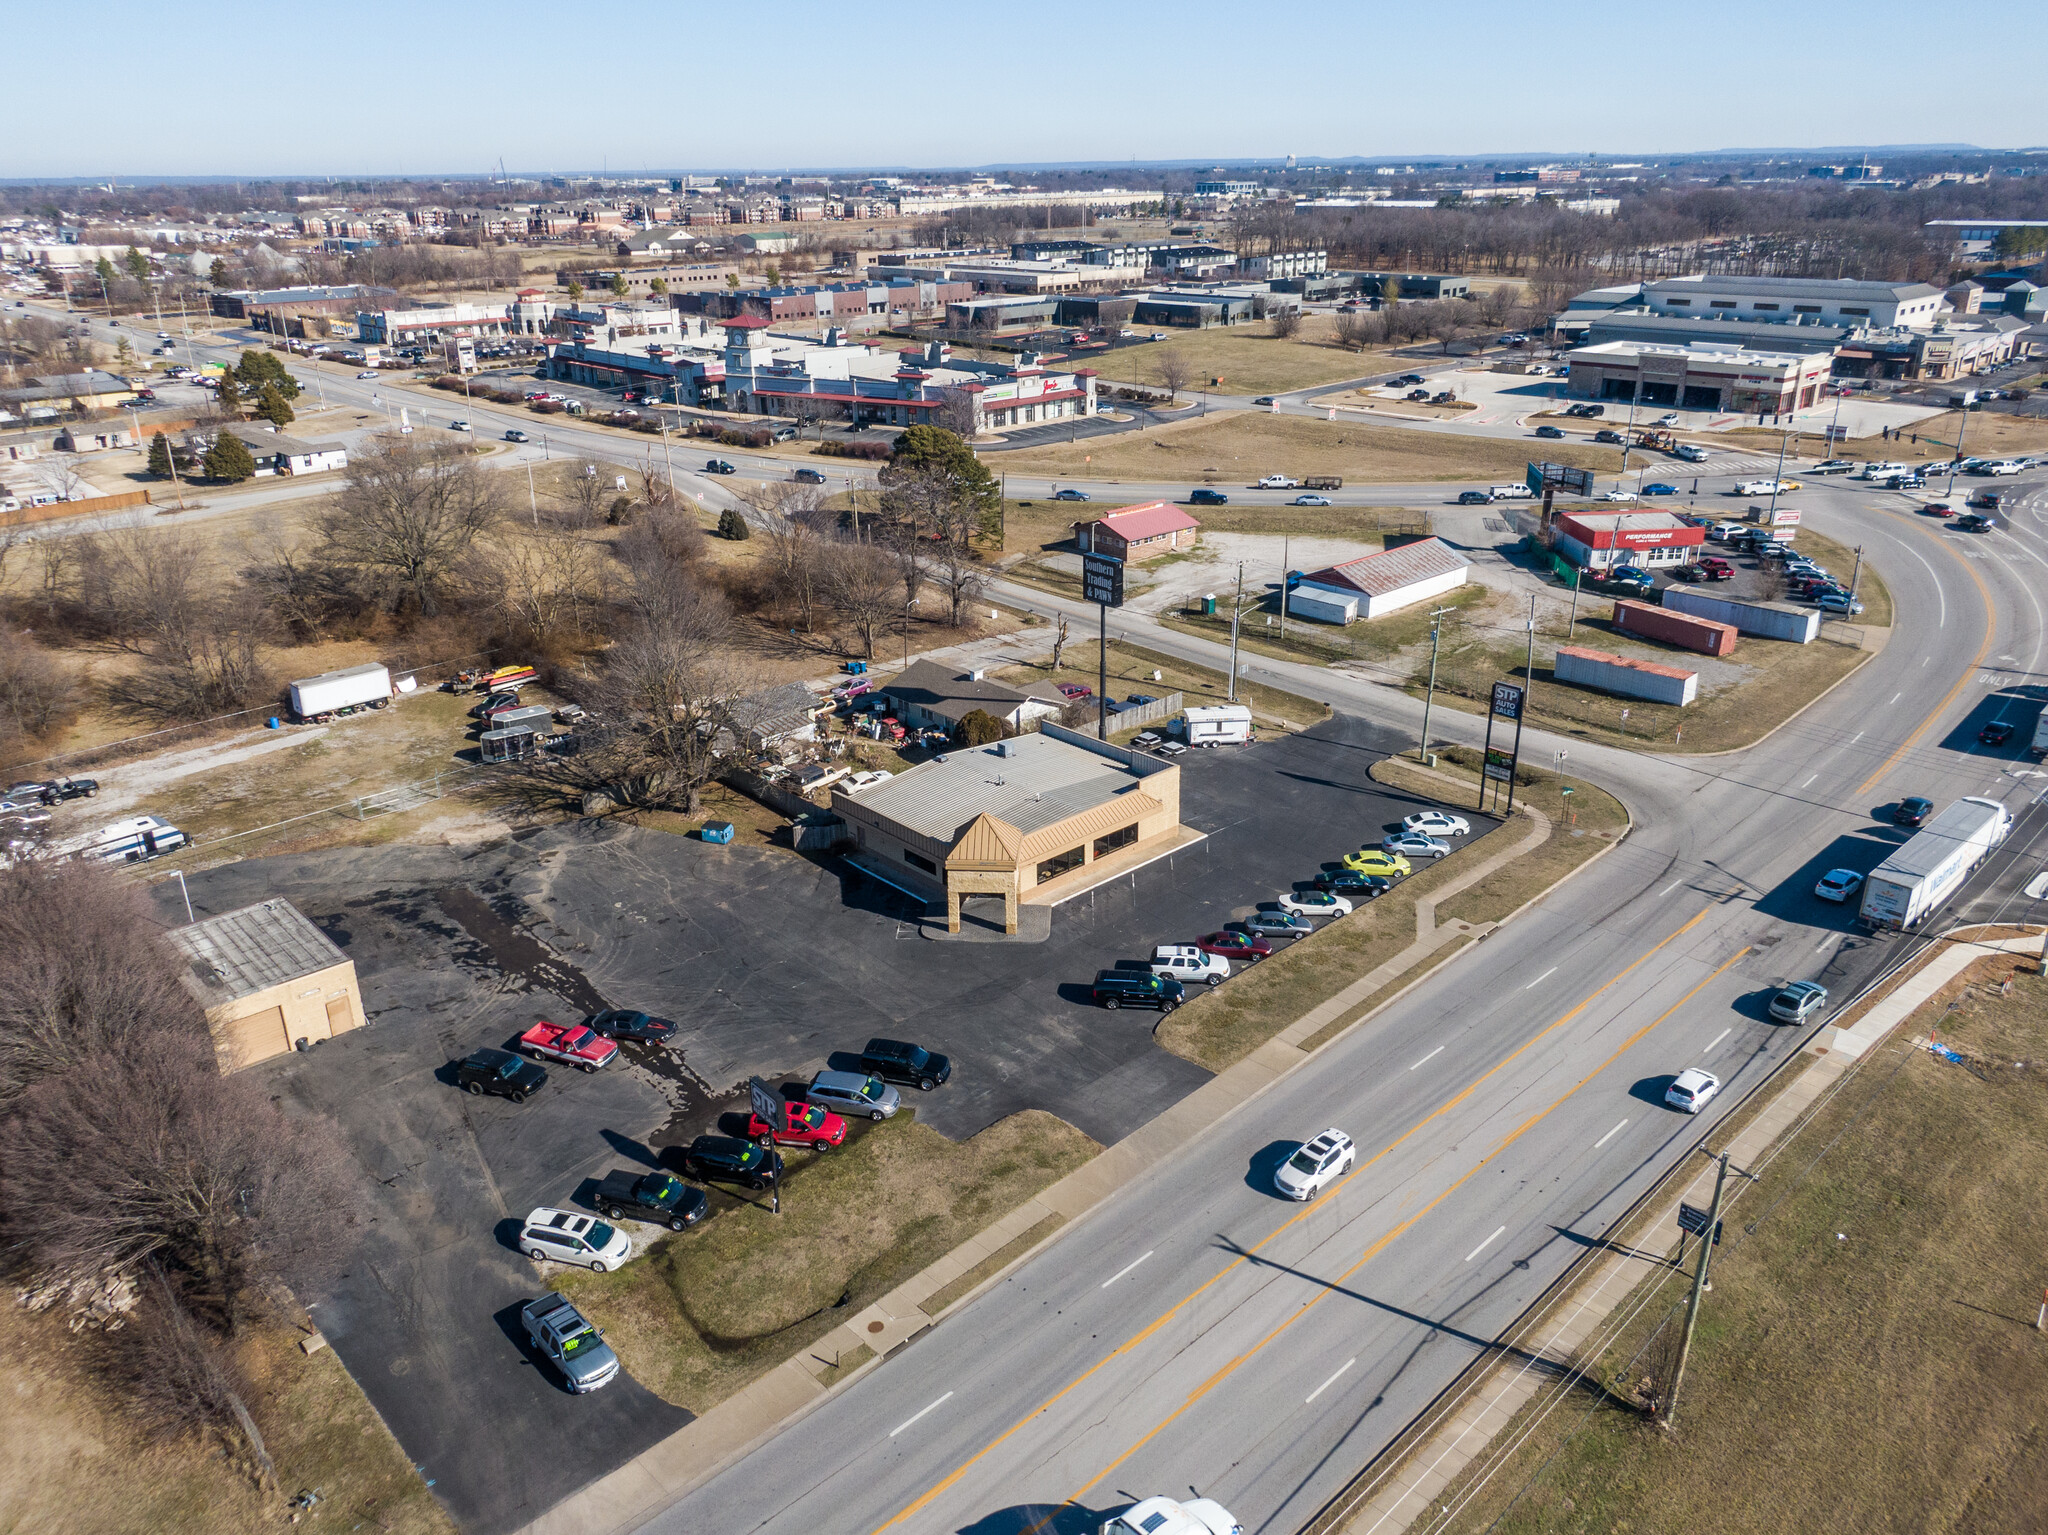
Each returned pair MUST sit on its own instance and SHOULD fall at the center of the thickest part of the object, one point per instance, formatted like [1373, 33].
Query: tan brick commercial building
[1032, 819]
[1140, 532]
[268, 978]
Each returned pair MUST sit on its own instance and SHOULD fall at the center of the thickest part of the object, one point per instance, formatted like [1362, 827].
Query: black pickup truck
[659, 1197]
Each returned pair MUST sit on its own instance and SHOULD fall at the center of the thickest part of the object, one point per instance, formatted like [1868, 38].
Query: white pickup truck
[1188, 964]
[1278, 482]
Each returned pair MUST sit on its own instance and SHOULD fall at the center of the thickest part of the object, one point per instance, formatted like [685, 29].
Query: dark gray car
[571, 1344]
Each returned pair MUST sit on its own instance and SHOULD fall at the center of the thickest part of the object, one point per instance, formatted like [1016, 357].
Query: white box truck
[1904, 890]
[1218, 725]
[349, 688]
[2040, 746]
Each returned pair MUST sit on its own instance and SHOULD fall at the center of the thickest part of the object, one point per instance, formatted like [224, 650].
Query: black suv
[1206, 497]
[718, 466]
[896, 1060]
[501, 1072]
[728, 1160]
[1136, 988]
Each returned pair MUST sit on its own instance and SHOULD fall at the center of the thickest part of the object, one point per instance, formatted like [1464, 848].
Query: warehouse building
[1603, 540]
[1141, 532]
[1034, 819]
[1625, 676]
[1698, 375]
[269, 980]
[1378, 584]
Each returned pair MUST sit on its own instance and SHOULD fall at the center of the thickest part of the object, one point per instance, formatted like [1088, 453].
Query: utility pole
[1956, 455]
[1529, 667]
[1699, 1282]
[1436, 616]
[1286, 555]
[1778, 475]
[1236, 612]
[1572, 623]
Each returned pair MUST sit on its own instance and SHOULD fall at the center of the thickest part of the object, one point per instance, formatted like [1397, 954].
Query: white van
[1218, 725]
[1510, 492]
[1876, 470]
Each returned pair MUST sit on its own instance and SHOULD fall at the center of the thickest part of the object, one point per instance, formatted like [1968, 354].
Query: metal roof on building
[1027, 782]
[1794, 287]
[240, 953]
[1148, 519]
[1379, 574]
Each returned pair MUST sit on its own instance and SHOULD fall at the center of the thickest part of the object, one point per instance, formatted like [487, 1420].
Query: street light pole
[1436, 616]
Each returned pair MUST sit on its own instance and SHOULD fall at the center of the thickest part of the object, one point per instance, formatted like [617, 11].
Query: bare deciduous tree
[865, 588]
[1060, 634]
[1174, 373]
[407, 517]
[38, 693]
[1285, 322]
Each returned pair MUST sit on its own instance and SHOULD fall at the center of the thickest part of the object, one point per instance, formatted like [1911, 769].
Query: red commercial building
[1138, 532]
[1603, 540]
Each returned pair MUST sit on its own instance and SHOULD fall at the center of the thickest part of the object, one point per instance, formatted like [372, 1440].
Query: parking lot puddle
[516, 953]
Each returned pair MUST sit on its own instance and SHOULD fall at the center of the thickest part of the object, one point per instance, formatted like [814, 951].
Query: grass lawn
[1839, 558]
[1246, 358]
[1867, 1359]
[1221, 1027]
[81, 1467]
[708, 1311]
[1237, 447]
[1131, 671]
[1988, 435]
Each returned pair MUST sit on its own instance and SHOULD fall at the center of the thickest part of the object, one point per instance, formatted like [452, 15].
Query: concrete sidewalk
[1406, 1494]
[725, 1433]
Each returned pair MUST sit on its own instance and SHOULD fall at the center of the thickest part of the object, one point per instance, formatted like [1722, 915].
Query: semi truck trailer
[1908, 887]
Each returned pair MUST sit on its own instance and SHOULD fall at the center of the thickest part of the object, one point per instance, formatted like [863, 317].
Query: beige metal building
[268, 979]
[1033, 819]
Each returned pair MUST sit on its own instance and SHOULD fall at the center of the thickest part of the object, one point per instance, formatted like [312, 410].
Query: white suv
[1316, 1165]
[568, 1236]
[1188, 964]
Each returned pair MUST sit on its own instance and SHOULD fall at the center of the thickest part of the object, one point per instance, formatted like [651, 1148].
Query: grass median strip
[710, 1310]
[995, 1262]
[1220, 1028]
[1893, 1243]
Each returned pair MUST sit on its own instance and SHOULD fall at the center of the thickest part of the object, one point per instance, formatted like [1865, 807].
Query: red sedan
[1938, 509]
[1242, 948]
[803, 1124]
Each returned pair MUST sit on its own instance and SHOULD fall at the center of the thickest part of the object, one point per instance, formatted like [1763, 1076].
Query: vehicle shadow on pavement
[514, 1329]
[1651, 1090]
[1043, 1519]
[631, 1149]
[1265, 1163]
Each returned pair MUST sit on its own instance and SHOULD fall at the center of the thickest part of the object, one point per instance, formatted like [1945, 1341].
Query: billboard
[1576, 482]
[1102, 580]
[1507, 700]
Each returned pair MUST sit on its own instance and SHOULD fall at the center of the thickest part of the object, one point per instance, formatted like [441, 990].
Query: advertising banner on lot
[1500, 765]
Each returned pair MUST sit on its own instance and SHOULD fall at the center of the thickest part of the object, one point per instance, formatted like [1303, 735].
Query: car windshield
[579, 1342]
[918, 1058]
[807, 1116]
[509, 1067]
[577, 1038]
[872, 1089]
[1305, 1161]
[599, 1236]
[668, 1191]
[747, 1155]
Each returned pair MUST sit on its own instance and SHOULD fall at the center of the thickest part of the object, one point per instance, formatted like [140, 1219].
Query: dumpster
[717, 831]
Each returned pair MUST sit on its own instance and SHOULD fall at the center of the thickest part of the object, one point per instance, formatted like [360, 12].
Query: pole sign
[1694, 1220]
[1541, 477]
[767, 1102]
[1500, 764]
[1507, 700]
[1102, 580]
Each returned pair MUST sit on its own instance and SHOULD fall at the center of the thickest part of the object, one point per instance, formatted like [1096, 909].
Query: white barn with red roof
[1377, 584]
[1138, 532]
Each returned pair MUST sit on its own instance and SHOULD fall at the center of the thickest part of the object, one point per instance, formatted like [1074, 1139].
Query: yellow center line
[1990, 629]
[938, 1488]
[1381, 1245]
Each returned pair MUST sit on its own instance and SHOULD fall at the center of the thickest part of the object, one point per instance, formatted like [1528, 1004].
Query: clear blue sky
[374, 86]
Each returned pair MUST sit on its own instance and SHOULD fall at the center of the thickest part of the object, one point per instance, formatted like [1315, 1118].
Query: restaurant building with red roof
[1140, 532]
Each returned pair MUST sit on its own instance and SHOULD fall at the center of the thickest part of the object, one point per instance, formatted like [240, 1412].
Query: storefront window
[1057, 865]
[1104, 846]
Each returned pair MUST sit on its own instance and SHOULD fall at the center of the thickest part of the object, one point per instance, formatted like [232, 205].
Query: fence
[91, 506]
[1146, 714]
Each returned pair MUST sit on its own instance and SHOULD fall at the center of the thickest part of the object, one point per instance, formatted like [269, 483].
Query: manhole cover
[874, 1327]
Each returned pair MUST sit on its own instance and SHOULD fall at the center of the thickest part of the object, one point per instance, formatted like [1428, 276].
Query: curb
[565, 1516]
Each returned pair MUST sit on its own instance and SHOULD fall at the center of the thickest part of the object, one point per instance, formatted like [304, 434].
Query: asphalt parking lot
[772, 965]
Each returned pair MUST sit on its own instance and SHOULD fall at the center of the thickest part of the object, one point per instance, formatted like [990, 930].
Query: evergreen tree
[733, 526]
[217, 274]
[575, 291]
[659, 287]
[105, 268]
[230, 395]
[618, 285]
[977, 728]
[271, 406]
[137, 264]
[160, 456]
[228, 459]
[124, 354]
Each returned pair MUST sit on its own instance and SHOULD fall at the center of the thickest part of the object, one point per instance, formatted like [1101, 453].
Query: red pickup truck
[570, 1042]
[803, 1124]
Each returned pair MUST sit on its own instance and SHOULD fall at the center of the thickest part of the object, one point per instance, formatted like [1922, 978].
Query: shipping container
[345, 689]
[1908, 887]
[1684, 630]
[1626, 676]
[1771, 620]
